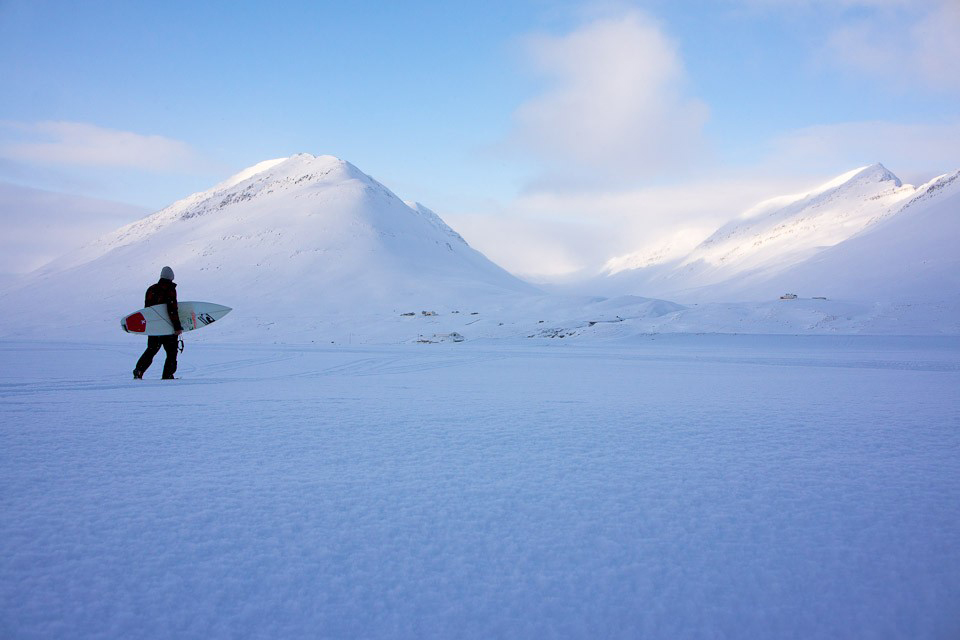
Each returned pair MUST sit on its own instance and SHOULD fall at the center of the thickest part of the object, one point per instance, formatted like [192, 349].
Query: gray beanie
[167, 273]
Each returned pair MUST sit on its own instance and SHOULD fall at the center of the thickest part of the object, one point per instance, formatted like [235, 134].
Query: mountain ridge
[777, 235]
[299, 238]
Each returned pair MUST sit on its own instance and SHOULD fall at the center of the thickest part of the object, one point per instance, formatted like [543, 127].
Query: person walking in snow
[163, 292]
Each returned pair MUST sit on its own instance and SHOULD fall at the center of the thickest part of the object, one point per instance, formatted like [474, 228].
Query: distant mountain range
[311, 249]
[864, 235]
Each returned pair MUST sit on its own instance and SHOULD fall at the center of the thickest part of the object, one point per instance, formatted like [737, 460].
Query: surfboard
[155, 321]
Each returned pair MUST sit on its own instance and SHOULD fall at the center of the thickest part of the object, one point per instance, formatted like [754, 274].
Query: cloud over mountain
[615, 102]
[88, 145]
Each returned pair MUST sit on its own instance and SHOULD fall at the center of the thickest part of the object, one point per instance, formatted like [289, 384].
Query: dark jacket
[164, 292]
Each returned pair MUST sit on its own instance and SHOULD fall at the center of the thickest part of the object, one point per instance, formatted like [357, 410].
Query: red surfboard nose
[135, 323]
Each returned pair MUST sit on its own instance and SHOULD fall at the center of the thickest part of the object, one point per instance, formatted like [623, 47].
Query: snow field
[672, 486]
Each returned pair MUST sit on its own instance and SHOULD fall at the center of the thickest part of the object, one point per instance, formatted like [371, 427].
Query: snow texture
[863, 236]
[660, 487]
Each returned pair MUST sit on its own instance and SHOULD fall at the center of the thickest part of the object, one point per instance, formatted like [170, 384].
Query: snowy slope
[287, 241]
[745, 258]
[909, 257]
[772, 235]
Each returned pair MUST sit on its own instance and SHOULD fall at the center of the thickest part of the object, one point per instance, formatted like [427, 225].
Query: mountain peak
[296, 172]
[875, 173]
[305, 232]
[870, 174]
[301, 166]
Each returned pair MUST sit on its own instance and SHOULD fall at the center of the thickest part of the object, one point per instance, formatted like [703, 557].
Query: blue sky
[553, 135]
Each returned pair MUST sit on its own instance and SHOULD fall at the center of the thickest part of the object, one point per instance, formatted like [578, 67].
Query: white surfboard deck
[155, 321]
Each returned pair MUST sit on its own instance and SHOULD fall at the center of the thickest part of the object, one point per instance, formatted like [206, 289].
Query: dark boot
[153, 346]
[170, 364]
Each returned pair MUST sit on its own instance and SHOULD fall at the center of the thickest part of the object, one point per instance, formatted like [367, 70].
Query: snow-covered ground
[662, 486]
[336, 463]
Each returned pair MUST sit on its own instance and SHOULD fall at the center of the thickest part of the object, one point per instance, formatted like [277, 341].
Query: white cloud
[615, 104]
[79, 144]
[934, 47]
[39, 226]
[527, 245]
[550, 234]
[906, 44]
[830, 3]
[615, 107]
[913, 151]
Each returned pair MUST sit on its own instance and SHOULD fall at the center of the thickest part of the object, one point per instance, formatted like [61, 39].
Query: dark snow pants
[169, 344]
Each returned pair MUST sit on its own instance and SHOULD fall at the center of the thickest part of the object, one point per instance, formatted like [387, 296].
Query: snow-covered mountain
[909, 257]
[287, 241]
[311, 249]
[835, 240]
